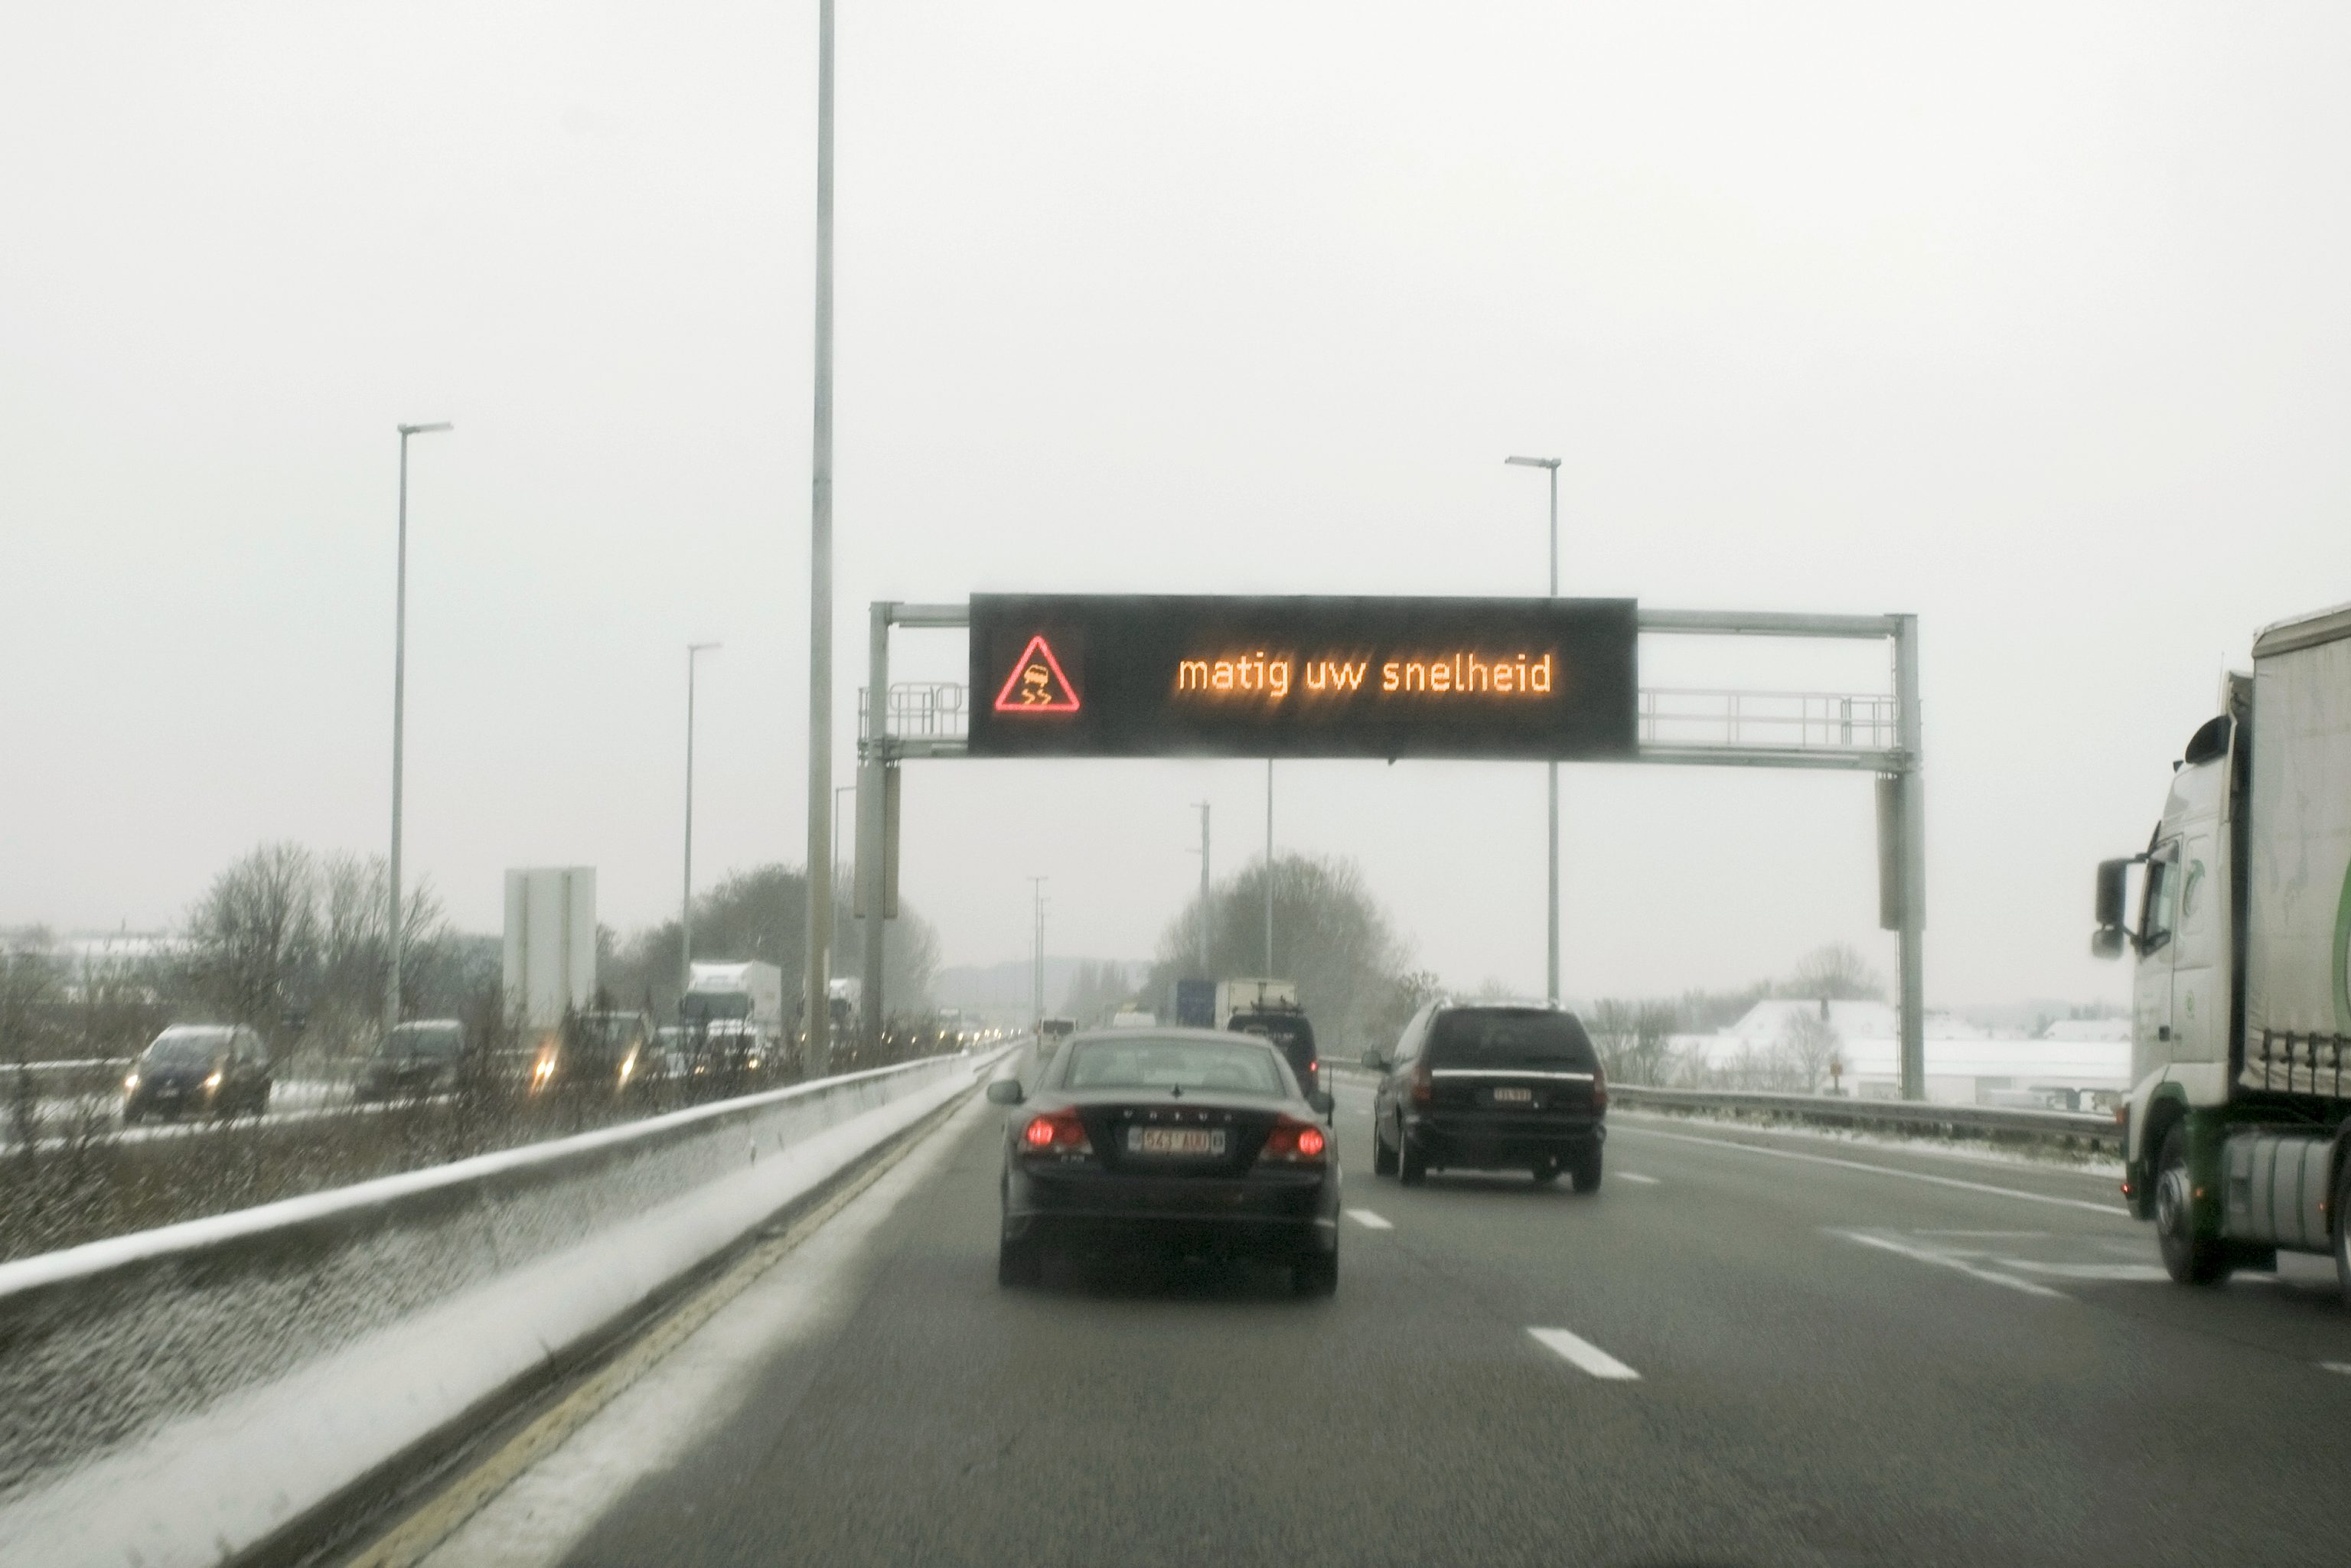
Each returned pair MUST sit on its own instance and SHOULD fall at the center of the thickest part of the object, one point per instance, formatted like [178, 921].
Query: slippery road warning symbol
[1036, 684]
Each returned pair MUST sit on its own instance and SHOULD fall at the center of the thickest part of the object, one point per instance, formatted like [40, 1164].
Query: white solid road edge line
[1370, 1221]
[1584, 1354]
[2116, 1210]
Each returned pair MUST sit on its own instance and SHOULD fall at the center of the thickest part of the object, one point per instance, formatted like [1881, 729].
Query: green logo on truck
[2342, 958]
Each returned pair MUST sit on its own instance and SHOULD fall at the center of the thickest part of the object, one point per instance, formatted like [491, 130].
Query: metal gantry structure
[1837, 732]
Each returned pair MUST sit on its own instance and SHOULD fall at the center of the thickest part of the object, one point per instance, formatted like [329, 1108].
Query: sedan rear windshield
[1145, 1063]
[1510, 1036]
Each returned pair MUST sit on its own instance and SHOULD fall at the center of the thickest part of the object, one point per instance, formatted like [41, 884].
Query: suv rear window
[1510, 1036]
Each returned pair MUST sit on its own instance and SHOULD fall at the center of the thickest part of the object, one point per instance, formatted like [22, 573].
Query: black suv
[1289, 1029]
[1491, 1086]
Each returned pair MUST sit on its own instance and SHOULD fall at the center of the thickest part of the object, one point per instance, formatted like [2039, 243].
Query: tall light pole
[1036, 950]
[399, 719]
[1551, 948]
[1207, 945]
[838, 792]
[817, 1009]
[1268, 868]
[685, 906]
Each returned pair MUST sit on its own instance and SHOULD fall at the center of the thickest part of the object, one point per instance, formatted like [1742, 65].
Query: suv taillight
[1423, 1086]
[1599, 1087]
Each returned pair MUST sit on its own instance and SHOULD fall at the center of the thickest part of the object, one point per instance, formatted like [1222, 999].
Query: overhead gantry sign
[1177, 676]
[1531, 679]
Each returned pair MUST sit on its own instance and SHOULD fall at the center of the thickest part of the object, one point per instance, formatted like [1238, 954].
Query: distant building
[1967, 1064]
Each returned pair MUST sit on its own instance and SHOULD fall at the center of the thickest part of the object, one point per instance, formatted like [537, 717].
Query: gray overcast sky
[2029, 319]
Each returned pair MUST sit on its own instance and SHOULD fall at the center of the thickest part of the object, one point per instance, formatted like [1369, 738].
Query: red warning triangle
[1036, 684]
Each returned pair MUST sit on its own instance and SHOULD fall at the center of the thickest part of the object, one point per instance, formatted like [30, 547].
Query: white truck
[748, 991]
[2238, 1121]
[1246, 996]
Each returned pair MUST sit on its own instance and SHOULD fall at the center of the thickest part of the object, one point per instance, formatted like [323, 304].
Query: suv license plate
[1514, 1096]
[1196, 1142]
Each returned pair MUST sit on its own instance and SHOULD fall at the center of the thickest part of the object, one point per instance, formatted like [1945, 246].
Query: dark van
[1493, 1087]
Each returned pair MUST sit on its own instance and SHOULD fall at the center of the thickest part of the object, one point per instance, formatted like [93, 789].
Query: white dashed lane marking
[1585, 1354]
[1636, 1178]
[1948, 1260]
[1368, 1221]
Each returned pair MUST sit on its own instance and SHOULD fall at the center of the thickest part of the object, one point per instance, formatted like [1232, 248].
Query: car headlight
[131, 1082]
[214, 1080]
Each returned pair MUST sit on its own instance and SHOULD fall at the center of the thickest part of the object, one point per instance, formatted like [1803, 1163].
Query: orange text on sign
[1462, 673]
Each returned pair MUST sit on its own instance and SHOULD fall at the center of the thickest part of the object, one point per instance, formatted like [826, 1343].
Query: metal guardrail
[465, 1276]
[2075, 1128]
[2063, 1128]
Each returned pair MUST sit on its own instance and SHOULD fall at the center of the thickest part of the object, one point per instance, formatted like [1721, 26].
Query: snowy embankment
[182, 1394]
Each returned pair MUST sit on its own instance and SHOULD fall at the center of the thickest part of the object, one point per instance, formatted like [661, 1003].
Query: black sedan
[1189, 1142]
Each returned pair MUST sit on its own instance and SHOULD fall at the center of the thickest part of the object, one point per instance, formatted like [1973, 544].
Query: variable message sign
[1167, 676]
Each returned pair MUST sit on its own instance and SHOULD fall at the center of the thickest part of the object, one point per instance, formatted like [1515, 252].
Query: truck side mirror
[2106, 942]
[2111, 891]
[1322, 1101]
[1377, 1062]
[1005, 1092]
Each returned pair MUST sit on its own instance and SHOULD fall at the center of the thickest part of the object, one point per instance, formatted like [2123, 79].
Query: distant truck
[1253, 997]
[2240, 1113]
[1269, 1007]
[751, 990]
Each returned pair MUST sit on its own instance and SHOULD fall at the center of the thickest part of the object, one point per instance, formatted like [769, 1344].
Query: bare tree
[1330, 935]
[253, 937]
[1835, 973]
[1810, 1042]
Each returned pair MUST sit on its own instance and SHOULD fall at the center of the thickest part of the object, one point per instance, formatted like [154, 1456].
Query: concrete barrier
[181, 1394]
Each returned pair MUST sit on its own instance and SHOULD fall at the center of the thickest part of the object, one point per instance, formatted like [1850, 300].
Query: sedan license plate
[1198, 1143]
[1514, 1096]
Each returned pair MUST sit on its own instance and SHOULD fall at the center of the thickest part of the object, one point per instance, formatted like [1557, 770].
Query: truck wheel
[2343, 1232]
[1585, 1172]
[1383, 1158]
[2188, 1257]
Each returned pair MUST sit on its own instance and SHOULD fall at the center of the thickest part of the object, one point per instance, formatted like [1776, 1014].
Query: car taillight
[1293, 1142]
[1599, 1088]
[1056, 1133]
[1423, 1086]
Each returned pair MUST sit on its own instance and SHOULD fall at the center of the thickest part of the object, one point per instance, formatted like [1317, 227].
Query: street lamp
[838, 792]
[816, 969]
[399, 714]
[685, 907]
[1551, 949]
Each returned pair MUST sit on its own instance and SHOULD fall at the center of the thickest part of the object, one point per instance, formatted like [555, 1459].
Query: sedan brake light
[1056, 1133]
[1293, 1142]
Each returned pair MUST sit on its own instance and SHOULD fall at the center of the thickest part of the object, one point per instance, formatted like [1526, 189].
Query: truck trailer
[2238, 1121]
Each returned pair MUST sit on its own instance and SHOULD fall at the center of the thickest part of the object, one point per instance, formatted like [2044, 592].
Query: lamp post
[838, 792]
[1268, 868]
[400, 719]
[816, 970]
[1551, 948]
[1037, 951]
[1207, 944]
[685, 907]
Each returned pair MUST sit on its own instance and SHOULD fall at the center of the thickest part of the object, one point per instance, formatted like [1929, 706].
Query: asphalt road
[1745, 1349]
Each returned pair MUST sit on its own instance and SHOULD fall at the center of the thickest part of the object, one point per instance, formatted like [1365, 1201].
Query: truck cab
[2240, 934]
